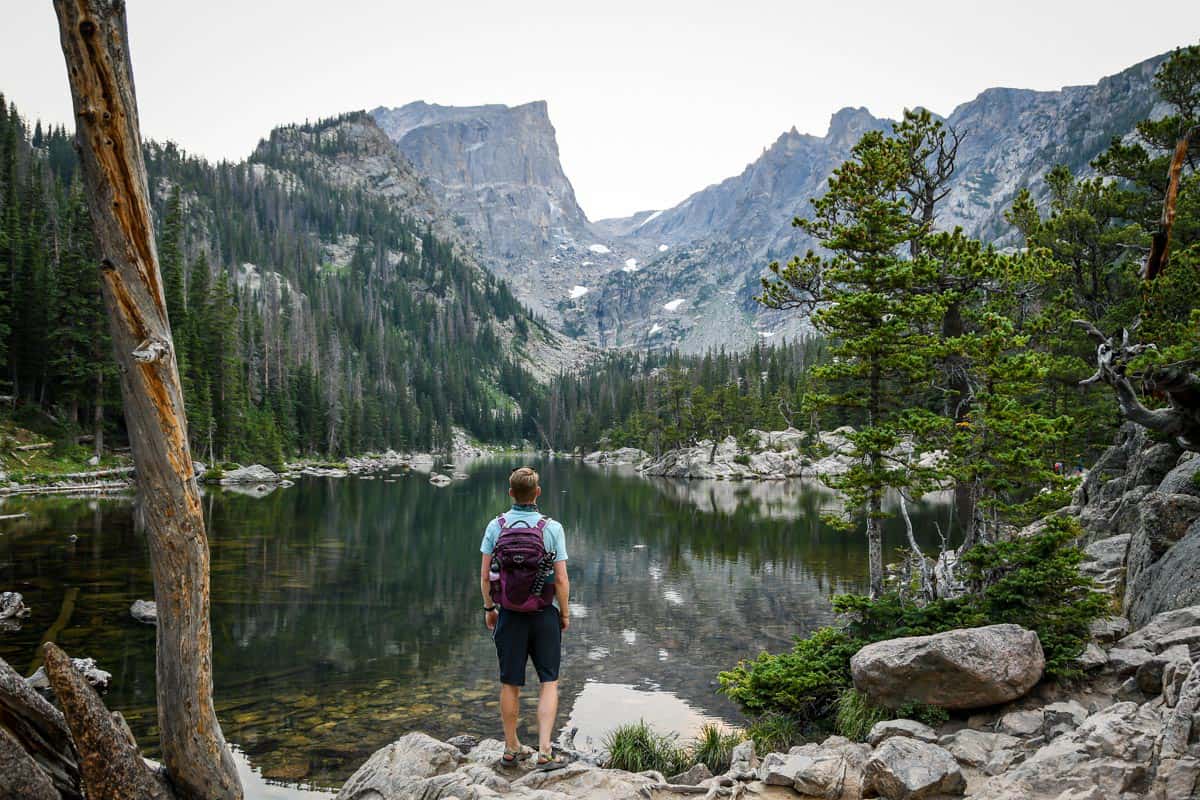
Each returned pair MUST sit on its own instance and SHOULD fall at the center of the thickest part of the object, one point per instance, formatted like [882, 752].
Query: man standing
[523, 579]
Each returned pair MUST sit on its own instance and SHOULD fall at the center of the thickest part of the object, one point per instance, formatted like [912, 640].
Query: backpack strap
[503, 524]
[541, 526]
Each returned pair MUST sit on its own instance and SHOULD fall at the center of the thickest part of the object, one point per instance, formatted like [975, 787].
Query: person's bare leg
[546, 712]
[510, 706]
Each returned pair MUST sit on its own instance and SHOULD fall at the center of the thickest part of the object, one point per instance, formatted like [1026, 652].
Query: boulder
[900, 727]
[1149, 675]
[587, 783]
[464, 742]
[1174, 675]
[1109, 629]
[12, 607]
[1182, 479]
[959, 669]
[698, 773]
[1062, 717]
[438, 479]
[1149, 636]
[990, 752]
[906, 769]
[743, 758]
[834, 769]
[1022, 723]
[95, 676]
[1124, 663]
[397, 769]
[144, 611]
[1093, 657]
[255, 473]
[1163, 570]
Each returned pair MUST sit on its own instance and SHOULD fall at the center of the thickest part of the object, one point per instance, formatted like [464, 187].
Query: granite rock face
[960, 669]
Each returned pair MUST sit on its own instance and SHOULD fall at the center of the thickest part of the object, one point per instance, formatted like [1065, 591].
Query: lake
[346, 612]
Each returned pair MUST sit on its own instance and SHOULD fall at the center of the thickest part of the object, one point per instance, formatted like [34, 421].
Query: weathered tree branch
[1160, 242]
[41, 732]
[1180, 419]
[109, 761]
[95, 45]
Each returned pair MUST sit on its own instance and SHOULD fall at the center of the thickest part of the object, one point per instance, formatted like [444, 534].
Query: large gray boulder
[960, 669]
[906, 769]
[1151, 635]
[144, 611]
[396, 770]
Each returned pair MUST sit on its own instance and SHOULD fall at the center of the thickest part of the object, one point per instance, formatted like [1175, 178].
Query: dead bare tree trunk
[96, 47]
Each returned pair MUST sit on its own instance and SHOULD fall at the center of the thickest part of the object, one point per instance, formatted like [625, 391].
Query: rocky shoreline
[1128, 729]
[770, 455]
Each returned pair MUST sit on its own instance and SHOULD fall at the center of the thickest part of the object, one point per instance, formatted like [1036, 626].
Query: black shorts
[535, 635]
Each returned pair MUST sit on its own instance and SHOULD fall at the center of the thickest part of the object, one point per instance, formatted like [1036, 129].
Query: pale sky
[652, 100]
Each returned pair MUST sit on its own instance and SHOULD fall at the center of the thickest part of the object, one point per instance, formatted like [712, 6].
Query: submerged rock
[144, 611]
[959, 669]
[438, 479]
[13, 608]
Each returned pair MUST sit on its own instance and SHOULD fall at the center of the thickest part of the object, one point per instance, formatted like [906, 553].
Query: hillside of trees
[282, 349]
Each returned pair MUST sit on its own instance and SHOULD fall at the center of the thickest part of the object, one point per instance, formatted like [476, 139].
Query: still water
[347, 611]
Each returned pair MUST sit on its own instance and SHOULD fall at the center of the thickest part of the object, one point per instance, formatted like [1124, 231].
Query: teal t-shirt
[552, 535]
[553, 538]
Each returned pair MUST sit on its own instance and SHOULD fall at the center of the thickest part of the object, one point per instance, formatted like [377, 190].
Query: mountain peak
[849, 123]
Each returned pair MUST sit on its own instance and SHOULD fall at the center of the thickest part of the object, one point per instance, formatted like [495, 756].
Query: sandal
[550, 762]
[512, 757]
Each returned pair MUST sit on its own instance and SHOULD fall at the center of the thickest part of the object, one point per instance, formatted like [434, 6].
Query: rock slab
[906, 769]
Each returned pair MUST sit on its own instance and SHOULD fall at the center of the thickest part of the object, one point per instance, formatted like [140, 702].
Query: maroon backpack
[522, 569]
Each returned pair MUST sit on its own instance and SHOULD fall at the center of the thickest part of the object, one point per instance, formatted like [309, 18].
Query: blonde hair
[523, 483]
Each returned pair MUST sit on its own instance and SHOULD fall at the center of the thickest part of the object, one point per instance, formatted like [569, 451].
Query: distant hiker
[524, 583]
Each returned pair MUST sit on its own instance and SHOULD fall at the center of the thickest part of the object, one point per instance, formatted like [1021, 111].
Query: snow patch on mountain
[674, 304]
[599, 249]
[577, 292]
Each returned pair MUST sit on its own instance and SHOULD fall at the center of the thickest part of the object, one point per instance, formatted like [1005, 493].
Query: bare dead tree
[95, 45]
[1160, 243]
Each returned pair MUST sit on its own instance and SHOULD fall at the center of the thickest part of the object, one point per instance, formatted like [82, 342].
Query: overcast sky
[652, 100]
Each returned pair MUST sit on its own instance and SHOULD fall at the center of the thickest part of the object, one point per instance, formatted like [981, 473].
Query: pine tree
[871, 302]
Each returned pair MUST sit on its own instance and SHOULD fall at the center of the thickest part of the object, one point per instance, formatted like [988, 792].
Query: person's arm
[485, 588]
[562, 592]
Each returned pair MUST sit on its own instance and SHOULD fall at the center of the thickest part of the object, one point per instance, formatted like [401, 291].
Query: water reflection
[346, 612]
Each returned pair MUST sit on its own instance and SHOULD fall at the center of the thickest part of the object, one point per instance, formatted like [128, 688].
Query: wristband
[487, 610]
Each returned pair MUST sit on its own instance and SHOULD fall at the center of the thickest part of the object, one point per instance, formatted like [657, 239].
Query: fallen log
[92, 474]
[75, 488]
[40, 446]
[40, 730]
[109, 762]
[22, 515]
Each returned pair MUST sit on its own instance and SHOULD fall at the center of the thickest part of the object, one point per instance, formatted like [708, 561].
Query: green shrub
[212, 475]
[637, 747]
[804, 682]
[714, 748]
[776, 733]
[742, 458]
[1032, 581]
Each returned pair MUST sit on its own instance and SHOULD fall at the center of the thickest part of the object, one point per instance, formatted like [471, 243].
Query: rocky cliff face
[496, 170]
